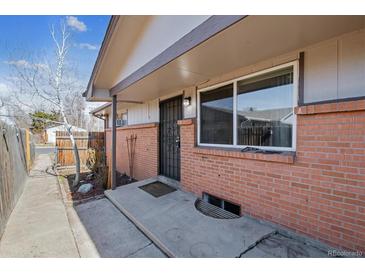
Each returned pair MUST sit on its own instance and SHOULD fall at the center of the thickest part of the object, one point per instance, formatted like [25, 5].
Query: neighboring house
[51, 133]
[266, 112]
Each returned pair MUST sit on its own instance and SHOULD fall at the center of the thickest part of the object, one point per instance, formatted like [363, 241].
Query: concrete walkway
[43, 224]
[38, 226]
[174, 224]
[113, 235]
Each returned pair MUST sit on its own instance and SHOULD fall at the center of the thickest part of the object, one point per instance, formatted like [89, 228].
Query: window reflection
[265, 109]
[216, 115]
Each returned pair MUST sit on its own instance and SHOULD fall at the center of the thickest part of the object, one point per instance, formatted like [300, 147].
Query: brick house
[265, 112]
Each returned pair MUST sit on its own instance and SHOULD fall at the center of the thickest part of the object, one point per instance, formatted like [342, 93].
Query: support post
[105, 124]
[114, 142]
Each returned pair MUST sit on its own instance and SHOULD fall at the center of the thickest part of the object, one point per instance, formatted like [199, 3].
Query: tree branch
[33, 117]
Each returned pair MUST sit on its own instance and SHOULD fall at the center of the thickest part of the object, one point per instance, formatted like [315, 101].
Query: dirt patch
[86, 177]
[123, 179]
[68, 175]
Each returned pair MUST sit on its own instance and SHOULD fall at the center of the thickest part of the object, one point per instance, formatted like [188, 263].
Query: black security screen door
[170, 113]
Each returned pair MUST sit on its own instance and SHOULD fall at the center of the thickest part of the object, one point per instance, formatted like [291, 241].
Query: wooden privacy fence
[84, 141]
[16, 158]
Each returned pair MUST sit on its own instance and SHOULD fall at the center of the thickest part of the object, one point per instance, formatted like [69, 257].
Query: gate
[84, 141]
[170, 113]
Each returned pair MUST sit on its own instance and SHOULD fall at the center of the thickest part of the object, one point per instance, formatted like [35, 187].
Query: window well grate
[221, 203]
[157, 189]
[213, 211]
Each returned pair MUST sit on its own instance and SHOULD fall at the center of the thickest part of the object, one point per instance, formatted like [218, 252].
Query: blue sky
[31, 33]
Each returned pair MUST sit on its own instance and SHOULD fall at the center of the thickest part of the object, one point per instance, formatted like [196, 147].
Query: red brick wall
[319, 192]
[146, 151]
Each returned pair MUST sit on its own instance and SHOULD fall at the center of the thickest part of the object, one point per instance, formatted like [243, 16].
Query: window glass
[265, 109]
[216, 116]
[122, 120]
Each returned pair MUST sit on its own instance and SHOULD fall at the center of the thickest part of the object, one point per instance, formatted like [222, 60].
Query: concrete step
[113, 235]
[139, 225]
[174, 224]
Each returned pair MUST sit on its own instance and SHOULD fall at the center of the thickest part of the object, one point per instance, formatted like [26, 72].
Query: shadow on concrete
[112, 234]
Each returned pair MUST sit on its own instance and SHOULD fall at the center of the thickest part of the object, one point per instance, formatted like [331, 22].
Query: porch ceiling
[247, 42]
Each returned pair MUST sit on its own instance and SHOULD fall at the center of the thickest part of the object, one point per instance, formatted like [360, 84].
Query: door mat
[157, 189]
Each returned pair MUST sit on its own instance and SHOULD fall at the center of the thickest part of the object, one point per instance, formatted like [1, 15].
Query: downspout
[105, 127]
[101, 118]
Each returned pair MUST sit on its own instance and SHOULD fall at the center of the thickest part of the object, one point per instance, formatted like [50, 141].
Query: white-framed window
[122, 120]
[256, 110]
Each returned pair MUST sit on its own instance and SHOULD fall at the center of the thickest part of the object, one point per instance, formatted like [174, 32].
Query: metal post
[114, 141]
[105, 124]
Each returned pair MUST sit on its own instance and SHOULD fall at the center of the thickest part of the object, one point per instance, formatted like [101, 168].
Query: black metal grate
[170, 113]
[213, 211]
[157, 189]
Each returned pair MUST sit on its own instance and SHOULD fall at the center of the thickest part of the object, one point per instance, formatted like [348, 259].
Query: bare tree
[75, 109]
[49, 83]
[61, 54]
